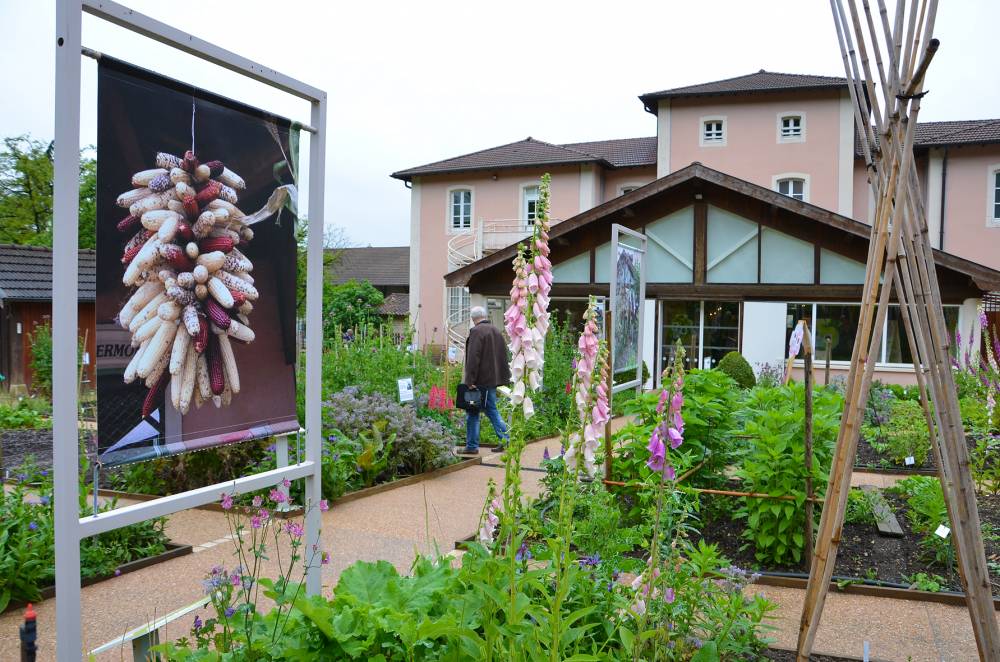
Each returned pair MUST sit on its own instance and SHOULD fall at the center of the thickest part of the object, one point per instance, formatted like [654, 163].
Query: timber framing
[700, 186]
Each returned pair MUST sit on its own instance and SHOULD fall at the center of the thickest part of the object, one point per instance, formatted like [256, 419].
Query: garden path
[398, 524]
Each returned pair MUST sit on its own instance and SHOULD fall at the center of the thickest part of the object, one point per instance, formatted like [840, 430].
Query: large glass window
[461, 209]
[529, 207]
[706, 330]
[897, 346]
[458, 305]
[840, 322]
[995, 207]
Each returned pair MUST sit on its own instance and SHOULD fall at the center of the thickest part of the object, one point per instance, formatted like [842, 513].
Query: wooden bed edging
[790, 580]
[173, 550]
[409, 480]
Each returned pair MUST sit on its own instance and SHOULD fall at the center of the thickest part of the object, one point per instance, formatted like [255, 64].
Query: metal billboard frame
[616, 231]
[70, 528]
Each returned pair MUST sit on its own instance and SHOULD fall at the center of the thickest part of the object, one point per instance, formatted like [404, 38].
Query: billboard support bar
[616, 231]
[69, 527]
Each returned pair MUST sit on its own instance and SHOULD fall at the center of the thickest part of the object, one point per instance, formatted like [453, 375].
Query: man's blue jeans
[472, 420]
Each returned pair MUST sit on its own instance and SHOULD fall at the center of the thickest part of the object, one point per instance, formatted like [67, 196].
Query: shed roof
[26, 273]
[382, 266]
[396, 304]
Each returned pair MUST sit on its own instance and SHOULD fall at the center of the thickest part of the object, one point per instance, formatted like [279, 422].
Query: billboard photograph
[196, 268]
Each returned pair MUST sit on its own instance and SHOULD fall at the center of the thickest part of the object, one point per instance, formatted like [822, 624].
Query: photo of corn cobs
[194, 292]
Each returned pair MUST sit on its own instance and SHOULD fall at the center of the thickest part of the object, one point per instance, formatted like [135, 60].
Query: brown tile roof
[379, 265]
[621, 152]
[962, 132]
[527, 152]
[761, 81]
[26, 273]
[396, 304]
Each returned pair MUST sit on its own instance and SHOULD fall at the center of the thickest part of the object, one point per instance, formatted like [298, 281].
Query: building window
[707, 330]
[529, 204]
[628, 188]
[993, 196]
[791, 127]
[713, 132]
[458, 305]
[460, 212]
[793, 187]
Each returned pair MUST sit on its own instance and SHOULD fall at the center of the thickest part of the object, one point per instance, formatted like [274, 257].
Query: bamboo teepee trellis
[900, 261]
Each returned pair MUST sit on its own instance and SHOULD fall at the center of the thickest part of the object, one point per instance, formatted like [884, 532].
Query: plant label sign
[405, 386]
[909, 461]
[942, 531]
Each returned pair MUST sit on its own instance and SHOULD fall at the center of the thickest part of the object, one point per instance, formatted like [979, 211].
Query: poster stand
[617, 232]
[70, 528]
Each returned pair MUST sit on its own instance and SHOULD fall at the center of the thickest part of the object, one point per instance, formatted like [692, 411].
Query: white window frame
[992, 220]
[465, 298]
[820, 354]
[449, 219]
[528, 223]
[702, 141]
[779, 120]
[629, 185]
[775, 180]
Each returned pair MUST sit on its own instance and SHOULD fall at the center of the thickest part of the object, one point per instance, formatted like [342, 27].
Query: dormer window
[791, 127]
[713, 131]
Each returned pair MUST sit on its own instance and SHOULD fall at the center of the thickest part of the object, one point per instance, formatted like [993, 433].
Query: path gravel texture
[398, 524]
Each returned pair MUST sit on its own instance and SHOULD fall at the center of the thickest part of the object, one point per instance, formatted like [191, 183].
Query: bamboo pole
[829, 354]
[807, 433]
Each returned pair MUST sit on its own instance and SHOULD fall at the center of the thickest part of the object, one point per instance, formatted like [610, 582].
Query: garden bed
[173, 550]
[870, 460]
[863, 554]
[784, 655]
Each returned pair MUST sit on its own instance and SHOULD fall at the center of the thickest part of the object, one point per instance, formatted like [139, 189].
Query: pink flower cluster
[670, 430]
[439, 400]
[527, 319]
[591, 397]
[490, 523]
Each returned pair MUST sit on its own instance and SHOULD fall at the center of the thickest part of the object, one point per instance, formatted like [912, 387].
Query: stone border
[173, 550]
[894, 471]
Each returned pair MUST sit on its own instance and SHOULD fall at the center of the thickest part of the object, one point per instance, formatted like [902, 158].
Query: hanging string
[192, 125]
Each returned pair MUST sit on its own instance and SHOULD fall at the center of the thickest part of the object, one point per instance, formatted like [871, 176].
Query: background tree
[26, 193]
[353, 304]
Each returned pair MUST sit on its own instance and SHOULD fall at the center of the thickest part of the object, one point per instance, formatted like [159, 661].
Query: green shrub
[906, 434]
[859, 508]
[351, 305]
[734, 365]
[774, 464]
[927, 512]
[975, 417]
[21, 417]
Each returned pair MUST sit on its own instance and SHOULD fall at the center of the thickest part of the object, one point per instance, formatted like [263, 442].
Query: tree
[353, 304]
[26, 171]
[335, 239]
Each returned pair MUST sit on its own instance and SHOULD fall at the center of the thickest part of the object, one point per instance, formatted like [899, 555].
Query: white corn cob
[200, 273]
[137, 301]
[154, 375]
[151, 202]
[198, 399]
[142, 261]
[168, 229]
[188, 378]
[175, 391]
[148, 311]
[204, 225]
[229, 363]
[212, 261]
[154, 219]
[246, 308]
[179, 176]
[242, 275]
[234, 263]
[168, 310]
[168, 161]
[192, 250]
[182, 341]
[133, 365]
[147, 331]
[185, 280]
[238, 284]
[221, 215]
[129, 198]
[241, 331]
[158, 348]
[166, 276]
[204, 384]
[223, 232]
[230, 178]
[227, 193]
[176, 206]
[202, 173]
[234, 211]
[144, 177]
[246, 234]
[200, 291]
[227, 396]
[191, 320]
[220, 292]
[179, 294]
[184, 190]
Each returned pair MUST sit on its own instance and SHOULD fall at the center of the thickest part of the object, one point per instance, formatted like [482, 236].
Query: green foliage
[985, 465]
[975, 417]
[187, 471]
[372, 363]
[41, 358]
[903, 435]
[922, 581]
[859, 508]
[352, 305]
[27, 538]
[774, 463]
[927, 511]
[737, 367]
[20, 416]
[26, 193]
[375, 452]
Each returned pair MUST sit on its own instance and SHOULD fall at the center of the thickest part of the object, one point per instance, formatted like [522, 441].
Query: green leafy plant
[859, 508]
[774, 463]
[902, 434]
[374, 454]
[352, 305]
[922, 581]
[21, 417]
[985, 465]
[927, 511]
[737, 367]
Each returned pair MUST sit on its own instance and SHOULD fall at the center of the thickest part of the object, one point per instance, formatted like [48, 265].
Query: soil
[863, 553]
[869, 458]
[789, 656]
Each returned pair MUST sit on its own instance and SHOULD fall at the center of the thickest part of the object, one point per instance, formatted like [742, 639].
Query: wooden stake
[807, 346]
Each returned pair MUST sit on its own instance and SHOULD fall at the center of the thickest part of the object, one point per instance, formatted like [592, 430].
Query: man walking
[486, 367]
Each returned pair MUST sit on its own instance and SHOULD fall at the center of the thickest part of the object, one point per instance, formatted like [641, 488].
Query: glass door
[707, 330]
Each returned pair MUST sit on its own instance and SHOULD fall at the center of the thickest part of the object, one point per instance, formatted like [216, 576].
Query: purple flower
[323, 505]
[44, 500]
[523, 553]
[229, 612]
[277, 496]
[545, 454]
[256, 522]
[676, 438]
[227, 501]
[44, 472]
[668, 595]
[325, 559]
[257, 501]
[294, 529]
[33, 526]
[669, 473]
[590, 561]
[197, 623]
[234, 579]
[118, 571]
[657, 452]
[286, 483]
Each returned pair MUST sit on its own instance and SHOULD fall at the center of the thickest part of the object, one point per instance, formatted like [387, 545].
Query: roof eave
[651, 100]
[407, 175]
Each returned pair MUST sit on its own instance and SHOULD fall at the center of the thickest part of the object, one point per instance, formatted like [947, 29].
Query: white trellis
[70, 529]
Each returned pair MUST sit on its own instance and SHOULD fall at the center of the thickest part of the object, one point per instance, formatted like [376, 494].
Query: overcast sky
[413, 82]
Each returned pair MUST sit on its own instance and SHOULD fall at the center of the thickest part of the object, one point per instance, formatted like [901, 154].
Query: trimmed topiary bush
[737, 367]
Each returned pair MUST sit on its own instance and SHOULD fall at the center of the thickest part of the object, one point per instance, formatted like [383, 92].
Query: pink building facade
[793, 134]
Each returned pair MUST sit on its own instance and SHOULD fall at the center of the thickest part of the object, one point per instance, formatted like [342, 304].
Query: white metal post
[65, 432]
[314, 341]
